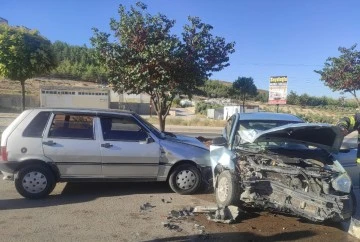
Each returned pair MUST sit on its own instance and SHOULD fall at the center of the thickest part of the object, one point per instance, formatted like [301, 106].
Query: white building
[77, 97]
[230, 110]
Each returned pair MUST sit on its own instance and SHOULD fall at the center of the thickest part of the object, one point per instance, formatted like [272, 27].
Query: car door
[70, 143]
[127, 150]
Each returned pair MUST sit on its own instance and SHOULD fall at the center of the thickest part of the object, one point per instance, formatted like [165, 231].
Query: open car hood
[325, 136]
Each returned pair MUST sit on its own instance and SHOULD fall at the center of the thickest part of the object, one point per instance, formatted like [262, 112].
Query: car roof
[268, 116]
[86, 110]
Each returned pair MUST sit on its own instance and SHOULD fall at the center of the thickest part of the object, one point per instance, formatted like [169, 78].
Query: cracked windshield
[179, 120]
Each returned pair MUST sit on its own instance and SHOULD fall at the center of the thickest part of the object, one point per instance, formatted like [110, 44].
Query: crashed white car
[278, 162]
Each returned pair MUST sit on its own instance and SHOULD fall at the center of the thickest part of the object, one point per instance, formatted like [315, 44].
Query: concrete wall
[215, 113]
[129, 98]
[139, 108]
[14, 101]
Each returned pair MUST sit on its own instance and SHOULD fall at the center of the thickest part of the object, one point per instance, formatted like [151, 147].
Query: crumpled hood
[325, 136]
[187, 140]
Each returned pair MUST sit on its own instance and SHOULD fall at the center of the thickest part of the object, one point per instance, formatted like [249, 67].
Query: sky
[272, 38]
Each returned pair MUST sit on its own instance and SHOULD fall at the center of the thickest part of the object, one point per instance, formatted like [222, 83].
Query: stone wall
[13, 101]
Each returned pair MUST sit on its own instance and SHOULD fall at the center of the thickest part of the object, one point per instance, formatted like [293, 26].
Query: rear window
[72, 127]
[37, 125]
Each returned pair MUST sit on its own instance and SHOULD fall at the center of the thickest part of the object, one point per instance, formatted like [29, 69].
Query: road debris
[166, 201]
[146, 206]
[226, 215]
[172, 226]
[178, 214]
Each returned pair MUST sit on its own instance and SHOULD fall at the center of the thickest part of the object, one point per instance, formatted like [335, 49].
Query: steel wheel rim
[185, 179]
[34, 182]
[223, 189]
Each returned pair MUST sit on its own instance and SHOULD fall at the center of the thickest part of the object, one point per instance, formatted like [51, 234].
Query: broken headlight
[342, 183]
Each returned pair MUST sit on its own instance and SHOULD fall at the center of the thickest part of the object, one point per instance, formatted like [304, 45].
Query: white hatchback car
[44, 146]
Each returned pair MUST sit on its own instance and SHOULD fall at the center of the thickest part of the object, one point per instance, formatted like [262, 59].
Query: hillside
[32, 86]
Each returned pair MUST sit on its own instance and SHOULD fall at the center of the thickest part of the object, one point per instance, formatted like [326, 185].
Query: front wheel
[227, 189]
[185, 179]
[35, 181]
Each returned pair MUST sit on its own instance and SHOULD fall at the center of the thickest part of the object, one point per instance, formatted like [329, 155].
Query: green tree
[343, 73]
[77, 62]
[24, 54]
[148, 58]
[215, 89]
[243, 88]
[292, 98]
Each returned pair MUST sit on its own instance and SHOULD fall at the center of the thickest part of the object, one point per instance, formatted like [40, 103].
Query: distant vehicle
[44, 146]
[276, 161]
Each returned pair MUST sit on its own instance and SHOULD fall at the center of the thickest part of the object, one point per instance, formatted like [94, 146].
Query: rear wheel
[185, 179]
[35, 181]
[227, 189]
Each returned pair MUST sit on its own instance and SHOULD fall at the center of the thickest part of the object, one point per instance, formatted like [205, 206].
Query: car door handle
[49, 143]
[106, 145]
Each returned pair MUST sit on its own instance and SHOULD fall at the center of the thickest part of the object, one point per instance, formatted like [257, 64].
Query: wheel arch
[182, 162]
[53, 168]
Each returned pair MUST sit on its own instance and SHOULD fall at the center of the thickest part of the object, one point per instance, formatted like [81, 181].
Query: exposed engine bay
[299, 182]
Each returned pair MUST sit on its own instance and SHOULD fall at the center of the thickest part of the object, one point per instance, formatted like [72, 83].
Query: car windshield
[248, 129]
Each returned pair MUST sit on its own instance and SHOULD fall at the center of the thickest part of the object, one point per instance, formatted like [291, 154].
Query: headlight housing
[342, 183]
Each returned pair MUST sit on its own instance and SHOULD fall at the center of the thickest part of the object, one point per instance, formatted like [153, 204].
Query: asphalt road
[111, 212]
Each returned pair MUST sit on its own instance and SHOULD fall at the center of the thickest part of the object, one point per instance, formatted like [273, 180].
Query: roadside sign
[278, 90]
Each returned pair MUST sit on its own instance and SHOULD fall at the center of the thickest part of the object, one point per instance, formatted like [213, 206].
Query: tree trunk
[161, 122]
[23, 94]
[356, 98]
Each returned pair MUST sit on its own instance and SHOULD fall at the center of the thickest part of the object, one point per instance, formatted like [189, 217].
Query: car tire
[227, 189]
[185, 179]
[35, 181]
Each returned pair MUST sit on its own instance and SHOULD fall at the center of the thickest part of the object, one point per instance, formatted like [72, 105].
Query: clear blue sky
[277, 37]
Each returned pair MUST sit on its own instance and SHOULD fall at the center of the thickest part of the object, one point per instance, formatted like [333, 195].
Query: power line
[279, 64]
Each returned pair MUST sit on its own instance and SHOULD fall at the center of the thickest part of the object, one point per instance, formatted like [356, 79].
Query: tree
[77, 62]
[244, 88]
[343, 73]
[215, 89]
[147, 58]
[24, 54]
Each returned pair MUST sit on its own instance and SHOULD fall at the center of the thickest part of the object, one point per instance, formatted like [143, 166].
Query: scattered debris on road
[171, 226]
[166, 201]
[225, 215]
[146, 206]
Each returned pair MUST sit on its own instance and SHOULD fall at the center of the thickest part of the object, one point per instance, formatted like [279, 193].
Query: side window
[71, 126]
[228, 127]
[37, 125]
[122, 129]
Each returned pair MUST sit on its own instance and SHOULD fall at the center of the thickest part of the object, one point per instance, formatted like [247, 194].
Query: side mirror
[220, 141]
[148, 140]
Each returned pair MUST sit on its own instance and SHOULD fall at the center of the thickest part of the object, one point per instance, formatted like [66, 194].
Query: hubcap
[222, 189]
[185, 179]
[34, 182]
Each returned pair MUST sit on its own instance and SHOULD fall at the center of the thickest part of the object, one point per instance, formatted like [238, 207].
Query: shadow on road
[242, 236]
[84, 192]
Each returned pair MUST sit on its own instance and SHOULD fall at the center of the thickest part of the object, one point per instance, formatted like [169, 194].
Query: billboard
[278, 90]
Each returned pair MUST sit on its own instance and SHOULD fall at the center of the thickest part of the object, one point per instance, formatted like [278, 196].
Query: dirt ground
[111, 211]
